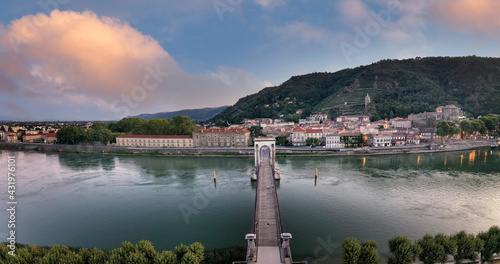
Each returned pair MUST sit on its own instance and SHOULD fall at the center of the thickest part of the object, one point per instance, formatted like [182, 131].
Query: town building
[398, 139]
[358, 119]
[401, 123]
[451, 113]
[333, 141]
[351, 140]
[217, 137]
[381, 140]
[155, 141]
[412, 139]
[11, 137]
[318, 118]
[40, 138]
[299, 136]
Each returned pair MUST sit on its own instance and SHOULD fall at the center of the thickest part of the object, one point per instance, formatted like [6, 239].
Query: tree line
[428, 249]
[143, 252]
[105, 133]
[482, 125]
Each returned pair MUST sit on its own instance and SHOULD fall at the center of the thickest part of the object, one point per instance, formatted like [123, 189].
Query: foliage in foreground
[143, 252]
[429, 249]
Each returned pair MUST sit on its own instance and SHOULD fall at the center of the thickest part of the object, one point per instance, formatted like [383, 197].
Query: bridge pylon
[265, 147]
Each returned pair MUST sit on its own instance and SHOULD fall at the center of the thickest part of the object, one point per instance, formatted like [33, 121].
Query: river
[93, 200]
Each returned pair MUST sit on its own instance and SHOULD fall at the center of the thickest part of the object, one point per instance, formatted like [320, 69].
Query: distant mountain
[195, 114]
[395, 87]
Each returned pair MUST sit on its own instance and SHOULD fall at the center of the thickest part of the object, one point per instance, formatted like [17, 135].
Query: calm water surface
[100, 201]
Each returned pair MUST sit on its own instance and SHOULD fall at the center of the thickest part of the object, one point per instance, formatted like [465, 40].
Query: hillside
[194, 114]
[396, 88]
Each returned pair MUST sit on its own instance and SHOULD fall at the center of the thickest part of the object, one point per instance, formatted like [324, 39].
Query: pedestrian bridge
[268, 242]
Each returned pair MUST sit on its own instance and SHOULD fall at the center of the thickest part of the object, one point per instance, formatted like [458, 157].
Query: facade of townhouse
[155, 141]
[398, 139]
[401, 123]
[333, 141]
[362, 118]
[319, 118]
[381, 140]
[298, 136]
[40, 138]
[351, 140]
[412, 139]
[220, 138]
[11, 137]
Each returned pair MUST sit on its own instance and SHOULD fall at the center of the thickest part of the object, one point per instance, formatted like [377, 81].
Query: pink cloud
[77, 59]
[470, 15]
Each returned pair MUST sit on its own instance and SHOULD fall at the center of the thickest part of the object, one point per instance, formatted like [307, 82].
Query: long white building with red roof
[155, 141]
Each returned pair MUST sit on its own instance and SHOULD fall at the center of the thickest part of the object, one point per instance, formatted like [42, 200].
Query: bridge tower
[265, 147]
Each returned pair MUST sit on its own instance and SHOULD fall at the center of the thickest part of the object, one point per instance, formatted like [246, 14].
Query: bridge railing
[254, 223]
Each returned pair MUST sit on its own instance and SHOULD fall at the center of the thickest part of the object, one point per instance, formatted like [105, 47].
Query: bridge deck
[267, 229]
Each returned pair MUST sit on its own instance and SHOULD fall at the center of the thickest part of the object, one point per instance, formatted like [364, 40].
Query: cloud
[354, 12]
[80, 59]
[470, 15]
[301, 31]
[269, 4]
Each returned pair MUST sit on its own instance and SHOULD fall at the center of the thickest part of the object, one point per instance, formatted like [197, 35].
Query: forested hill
[194, 114]
[396, 88]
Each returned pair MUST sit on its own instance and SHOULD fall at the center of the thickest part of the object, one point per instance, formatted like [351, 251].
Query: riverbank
[249, 151]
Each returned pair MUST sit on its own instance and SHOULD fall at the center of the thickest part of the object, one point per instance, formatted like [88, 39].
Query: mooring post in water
[316, 174]
[214, 177]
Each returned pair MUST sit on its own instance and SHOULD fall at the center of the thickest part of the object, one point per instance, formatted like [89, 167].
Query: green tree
[281, 140]
[351, 251]
[159, 126]
[446, 128]
[313, 141]
[490, 121]
[468, 246]
[369, 253]
[166, 257]
[126, 124]
[220, 123]
[101, 135]
[256, 131]
[140, 127]
[182, 125]
[491, 243]
[70, 135]
[403, 250]
[435, 249]
[479, 126]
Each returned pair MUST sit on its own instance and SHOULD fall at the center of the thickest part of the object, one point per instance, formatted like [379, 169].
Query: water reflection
[83, 162]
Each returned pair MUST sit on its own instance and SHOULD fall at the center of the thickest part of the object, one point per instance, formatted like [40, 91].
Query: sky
[104, 60]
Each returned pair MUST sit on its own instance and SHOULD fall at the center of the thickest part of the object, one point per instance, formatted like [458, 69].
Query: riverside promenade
[249, 151]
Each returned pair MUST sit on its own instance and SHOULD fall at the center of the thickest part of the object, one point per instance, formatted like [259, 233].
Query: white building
[333, 141]
[401, 123]
[381, 140]
[299, 136]
[155, 141]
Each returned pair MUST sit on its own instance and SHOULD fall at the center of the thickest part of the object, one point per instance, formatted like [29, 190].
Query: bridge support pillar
[251, 249]
[264, 147]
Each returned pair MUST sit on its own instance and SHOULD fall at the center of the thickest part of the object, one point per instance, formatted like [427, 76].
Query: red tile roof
[155, 136]
[224, 131]
[299, 129]
[314, 131]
